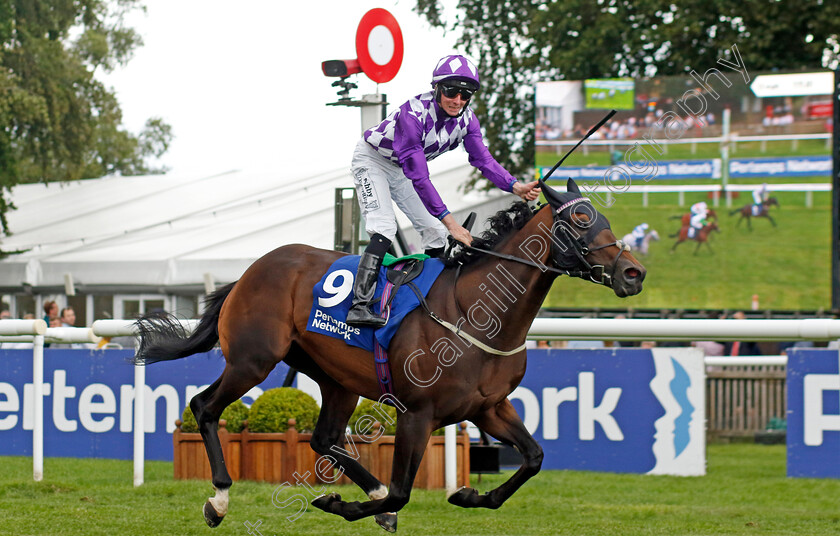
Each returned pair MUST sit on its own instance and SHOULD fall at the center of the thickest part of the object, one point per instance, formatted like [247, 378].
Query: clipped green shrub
[366, 407]
[235, 415]
[273, 409]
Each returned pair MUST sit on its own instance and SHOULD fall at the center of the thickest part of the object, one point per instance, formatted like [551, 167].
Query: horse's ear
[550, 194]
[571, 186]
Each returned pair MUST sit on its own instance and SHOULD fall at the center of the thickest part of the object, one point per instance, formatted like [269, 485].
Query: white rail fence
[681, 189]
[37, 332]
[733, 141]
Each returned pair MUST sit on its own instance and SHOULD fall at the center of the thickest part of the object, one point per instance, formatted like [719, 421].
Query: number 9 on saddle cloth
[333, 296]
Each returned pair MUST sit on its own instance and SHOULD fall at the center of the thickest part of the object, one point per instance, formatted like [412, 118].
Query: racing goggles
[450, 91]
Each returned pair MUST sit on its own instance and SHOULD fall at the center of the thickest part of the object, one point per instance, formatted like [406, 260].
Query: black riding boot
[364, 287]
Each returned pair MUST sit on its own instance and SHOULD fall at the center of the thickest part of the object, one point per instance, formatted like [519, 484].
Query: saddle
[401, 272]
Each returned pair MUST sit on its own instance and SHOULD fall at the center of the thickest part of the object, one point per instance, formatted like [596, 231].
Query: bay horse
[701, 236]
[747, 212]
[261, 319]
[685, 219]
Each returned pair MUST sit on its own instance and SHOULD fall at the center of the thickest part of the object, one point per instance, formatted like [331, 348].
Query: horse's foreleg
[413, 431]
[503, 423]
[207, 407]
[769, 217]
[328, 440]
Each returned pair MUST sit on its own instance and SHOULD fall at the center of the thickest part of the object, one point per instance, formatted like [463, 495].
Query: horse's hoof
[325, 501]
[387, 521]
[210, 516]
[464, 497]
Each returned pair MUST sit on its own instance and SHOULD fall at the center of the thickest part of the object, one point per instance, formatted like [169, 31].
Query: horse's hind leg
[207, 407]
[328, 440]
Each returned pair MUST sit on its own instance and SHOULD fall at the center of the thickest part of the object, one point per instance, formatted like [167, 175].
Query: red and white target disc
[379, 45]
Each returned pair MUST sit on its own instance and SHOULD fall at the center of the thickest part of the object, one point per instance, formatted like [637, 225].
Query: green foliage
[57, 120]
[382, 413]
[520, 42]
[235, 415]
[273, 409]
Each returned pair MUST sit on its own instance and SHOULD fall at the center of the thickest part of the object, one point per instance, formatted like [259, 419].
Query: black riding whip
[583, 139]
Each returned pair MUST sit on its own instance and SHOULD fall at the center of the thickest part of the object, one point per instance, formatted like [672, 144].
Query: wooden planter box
[276, 457]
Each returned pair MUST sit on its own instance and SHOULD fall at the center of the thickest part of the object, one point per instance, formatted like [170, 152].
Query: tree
[57, 121]
[520, 42]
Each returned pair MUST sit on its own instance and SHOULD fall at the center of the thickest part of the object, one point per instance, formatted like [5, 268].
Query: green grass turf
[788, 266]
[745, 492]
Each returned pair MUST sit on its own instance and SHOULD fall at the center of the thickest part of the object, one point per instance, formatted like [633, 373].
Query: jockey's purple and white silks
[419, 131]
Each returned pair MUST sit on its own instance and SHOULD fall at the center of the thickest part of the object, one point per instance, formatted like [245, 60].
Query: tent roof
[169, 230]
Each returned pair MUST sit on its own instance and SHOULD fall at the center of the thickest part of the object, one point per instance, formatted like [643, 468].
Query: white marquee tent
[165, 232]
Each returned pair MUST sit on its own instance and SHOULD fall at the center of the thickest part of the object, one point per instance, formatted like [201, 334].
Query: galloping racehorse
[261, 320]
[630, 240]
[747, 212]
[685, 219]
[701, 236]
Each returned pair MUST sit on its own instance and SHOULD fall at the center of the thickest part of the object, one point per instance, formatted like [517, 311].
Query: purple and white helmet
[456, 68]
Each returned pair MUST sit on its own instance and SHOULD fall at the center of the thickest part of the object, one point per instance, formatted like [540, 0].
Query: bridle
[579, 246]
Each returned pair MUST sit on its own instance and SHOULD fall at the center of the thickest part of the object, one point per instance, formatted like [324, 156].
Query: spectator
[710, 348]
[737, 348]
[5, 314]
[51, 314]
[68, 318]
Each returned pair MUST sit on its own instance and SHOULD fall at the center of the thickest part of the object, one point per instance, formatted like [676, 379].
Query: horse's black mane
[502, 224]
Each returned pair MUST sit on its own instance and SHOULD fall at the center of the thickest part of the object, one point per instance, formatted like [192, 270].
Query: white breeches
[377, 182]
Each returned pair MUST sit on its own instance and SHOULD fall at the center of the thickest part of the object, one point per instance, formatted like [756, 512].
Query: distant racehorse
[747, 212]
[685, 219]
[701, 236]
[630, 240]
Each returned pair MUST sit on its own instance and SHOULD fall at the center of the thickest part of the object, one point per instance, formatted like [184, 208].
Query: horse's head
[654, 235]
[585, 243]
[772, 201]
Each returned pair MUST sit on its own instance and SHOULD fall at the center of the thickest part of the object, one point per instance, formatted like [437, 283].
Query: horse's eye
[580, 219]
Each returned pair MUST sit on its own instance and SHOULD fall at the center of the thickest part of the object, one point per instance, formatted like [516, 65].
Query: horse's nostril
[631, 273]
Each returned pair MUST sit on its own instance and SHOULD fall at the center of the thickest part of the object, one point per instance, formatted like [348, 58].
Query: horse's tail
[736, 211]
[163, 338]
[677, 217]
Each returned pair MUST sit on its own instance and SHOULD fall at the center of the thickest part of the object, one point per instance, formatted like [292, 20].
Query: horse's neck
[519, 288]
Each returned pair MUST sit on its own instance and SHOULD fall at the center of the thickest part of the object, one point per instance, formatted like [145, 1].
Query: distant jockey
[699, 211]
[759, 198]
[639, 234]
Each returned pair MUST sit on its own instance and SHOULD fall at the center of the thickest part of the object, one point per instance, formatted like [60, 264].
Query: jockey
[699, 211]
[759, 197]
[389, 163]
[639, 233]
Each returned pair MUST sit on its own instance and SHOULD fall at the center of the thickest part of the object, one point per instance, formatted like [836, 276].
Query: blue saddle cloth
[333, 295]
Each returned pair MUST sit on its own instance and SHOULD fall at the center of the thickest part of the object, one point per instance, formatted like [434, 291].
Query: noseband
[576, 248]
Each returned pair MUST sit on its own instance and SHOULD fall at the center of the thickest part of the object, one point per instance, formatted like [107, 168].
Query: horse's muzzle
[628, 278]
